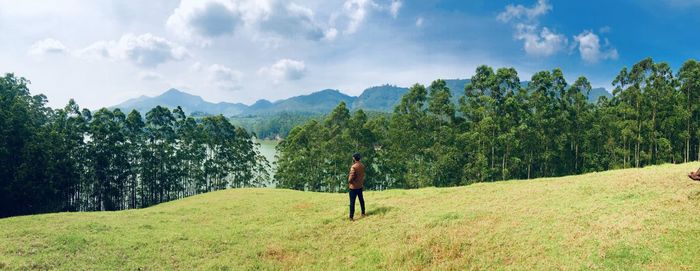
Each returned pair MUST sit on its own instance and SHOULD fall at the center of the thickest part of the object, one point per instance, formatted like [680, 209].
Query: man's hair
[356, 156]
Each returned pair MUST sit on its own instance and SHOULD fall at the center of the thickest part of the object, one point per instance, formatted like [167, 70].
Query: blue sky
[103, 52]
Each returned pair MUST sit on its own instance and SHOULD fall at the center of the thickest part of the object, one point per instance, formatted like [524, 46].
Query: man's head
[356, 157]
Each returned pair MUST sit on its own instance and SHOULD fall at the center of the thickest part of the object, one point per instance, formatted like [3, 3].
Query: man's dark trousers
[356, 193]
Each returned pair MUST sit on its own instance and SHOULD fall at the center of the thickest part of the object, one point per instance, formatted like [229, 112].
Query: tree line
[273, 125]
[70, 159]
[501, 130]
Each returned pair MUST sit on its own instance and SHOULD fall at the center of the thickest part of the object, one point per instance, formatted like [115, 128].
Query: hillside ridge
[381, 98]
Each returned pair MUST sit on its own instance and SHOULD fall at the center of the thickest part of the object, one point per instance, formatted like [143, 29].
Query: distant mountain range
[380, 98]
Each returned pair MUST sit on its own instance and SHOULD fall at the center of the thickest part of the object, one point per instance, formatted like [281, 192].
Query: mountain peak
[382, 98]
[327, 91]
[261, 102]
[174, 91]
[173, 98]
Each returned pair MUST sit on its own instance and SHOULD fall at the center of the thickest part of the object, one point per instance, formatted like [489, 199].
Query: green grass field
[634, 219]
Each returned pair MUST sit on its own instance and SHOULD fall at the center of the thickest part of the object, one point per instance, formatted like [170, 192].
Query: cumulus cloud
[537, 40]
[271, 21]
[47, 47]
[286, 69]
[202, 21]
[145, 50]
[356, 11]
[515, 12]
[224, 77]
[291, 20]
[150, 76]
[394, 8]
[330, 34]
[591, 50]
[206, 19]
[540, 42]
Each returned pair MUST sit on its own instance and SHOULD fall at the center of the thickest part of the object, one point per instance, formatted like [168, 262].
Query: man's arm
[352, 175]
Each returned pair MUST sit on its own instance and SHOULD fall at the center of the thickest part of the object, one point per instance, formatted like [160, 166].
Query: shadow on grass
[379, 211]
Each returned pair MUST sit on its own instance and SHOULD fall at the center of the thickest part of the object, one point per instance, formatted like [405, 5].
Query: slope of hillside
[456, 86]
[380, 98]
[624, 219]
[318, 102]
[596, 93]
[174, 98]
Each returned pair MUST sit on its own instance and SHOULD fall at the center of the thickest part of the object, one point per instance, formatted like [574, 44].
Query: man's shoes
[363, 215]
[351, 219]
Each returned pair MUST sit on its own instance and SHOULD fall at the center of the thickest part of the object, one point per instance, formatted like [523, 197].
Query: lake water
[267, 149]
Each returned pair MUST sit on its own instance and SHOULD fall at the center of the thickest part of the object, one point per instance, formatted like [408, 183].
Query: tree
[689, 79]
[135, 145]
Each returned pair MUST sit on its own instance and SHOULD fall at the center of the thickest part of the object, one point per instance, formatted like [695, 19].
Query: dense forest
[502, 130]
[76, 160]
[278, 125]
[273, 126]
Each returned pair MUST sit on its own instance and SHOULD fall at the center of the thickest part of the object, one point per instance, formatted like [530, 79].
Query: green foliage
[313, 156]
[71, 160]
[504, 128]
[272, 126]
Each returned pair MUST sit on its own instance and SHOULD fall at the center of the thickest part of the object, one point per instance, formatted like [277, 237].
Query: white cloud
[47, 47]
[330, 34]
[419, 21]
[224, 77]
[286, 69]
[538, 42]
[145, 50]
[150, 76]
[269, 21]
[514, 12]
[205, 19]
[196, 67]
[291, 20]
[394, 8]
[202, 21]
[591, 50]
[356, 10]
[541, 41]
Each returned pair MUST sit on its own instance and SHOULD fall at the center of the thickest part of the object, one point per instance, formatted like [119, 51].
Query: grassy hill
[624, 219]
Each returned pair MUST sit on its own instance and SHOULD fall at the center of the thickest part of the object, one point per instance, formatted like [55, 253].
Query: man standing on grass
[356, 180]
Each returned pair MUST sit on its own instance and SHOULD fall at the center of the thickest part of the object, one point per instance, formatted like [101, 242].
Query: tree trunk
[576, 159]
[652, 148]
[503, 166]
[687, 140]
[529, 166]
